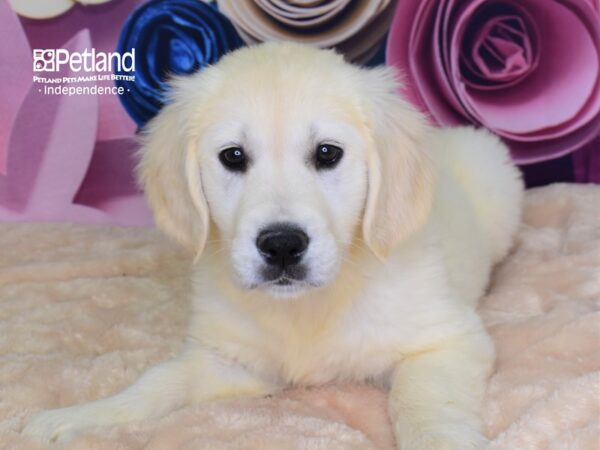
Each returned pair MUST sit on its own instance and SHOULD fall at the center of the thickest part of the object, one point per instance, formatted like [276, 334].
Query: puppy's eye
[234, 159]
[327, 156]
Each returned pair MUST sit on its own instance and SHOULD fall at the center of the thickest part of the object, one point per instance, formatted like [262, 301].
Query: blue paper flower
[170, 37]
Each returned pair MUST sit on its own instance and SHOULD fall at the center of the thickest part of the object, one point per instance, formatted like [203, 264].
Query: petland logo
[52, 60]
[89, 72]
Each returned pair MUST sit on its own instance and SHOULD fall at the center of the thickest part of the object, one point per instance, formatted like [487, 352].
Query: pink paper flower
[529, 70]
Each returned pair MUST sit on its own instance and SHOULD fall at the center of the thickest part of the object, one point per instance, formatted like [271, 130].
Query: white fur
[403, 234]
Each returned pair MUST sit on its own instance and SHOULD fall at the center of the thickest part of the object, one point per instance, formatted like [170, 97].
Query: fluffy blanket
[84, 310]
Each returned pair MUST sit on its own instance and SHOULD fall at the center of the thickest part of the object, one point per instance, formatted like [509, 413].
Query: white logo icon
[44, 60]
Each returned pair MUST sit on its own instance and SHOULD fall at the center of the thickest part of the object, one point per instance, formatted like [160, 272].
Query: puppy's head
[280, 158]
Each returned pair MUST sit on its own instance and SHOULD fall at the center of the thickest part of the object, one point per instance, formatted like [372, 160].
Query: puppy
[342, 239]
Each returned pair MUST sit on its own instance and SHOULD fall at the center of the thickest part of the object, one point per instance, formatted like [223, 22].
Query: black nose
[282, 245]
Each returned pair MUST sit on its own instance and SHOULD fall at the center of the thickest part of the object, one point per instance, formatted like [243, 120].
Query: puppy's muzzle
[282, 247]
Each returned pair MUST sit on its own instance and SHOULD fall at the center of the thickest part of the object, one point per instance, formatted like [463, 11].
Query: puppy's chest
[308, 354]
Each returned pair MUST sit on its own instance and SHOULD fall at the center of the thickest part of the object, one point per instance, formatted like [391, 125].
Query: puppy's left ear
[400, 173]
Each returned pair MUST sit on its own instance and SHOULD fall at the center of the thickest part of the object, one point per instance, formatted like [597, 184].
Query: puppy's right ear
[169, 174]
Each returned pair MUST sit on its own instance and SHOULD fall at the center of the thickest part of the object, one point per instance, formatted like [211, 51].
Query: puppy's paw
[56, 426]
[444, 437]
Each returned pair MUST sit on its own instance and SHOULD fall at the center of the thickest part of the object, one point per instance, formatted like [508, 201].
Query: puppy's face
[284, 174]
[278, 150]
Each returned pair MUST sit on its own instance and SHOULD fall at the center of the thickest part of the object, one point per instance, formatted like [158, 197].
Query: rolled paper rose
[529, 70]
[170, 37]
[353, 27]
[47, 9]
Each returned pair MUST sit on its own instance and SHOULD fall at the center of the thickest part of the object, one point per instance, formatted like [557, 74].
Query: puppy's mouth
[284, 282]
[284, 276]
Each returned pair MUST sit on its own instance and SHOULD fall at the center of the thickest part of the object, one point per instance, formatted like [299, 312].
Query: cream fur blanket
[84, 310]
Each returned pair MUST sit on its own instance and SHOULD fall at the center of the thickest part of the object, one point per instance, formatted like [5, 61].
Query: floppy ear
[400, 174]
[168, 172]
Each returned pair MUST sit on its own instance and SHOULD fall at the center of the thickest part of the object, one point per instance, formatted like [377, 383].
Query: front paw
[55, 426]
[443, 437]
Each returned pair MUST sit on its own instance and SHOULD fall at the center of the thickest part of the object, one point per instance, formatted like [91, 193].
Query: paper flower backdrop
[67, 158]
[46, 9]
[526, 69]
[354, 27]
[529, 70]
[171, 37]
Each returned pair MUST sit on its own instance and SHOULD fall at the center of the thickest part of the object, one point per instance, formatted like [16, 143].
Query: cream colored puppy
[341, 238]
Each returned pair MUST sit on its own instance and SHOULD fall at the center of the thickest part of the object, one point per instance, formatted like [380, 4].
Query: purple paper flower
[529, 70]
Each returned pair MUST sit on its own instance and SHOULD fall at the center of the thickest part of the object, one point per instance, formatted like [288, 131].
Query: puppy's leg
[195, 375]
[435, 395]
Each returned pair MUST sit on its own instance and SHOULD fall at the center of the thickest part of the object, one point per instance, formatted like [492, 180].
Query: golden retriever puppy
[338, 238]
